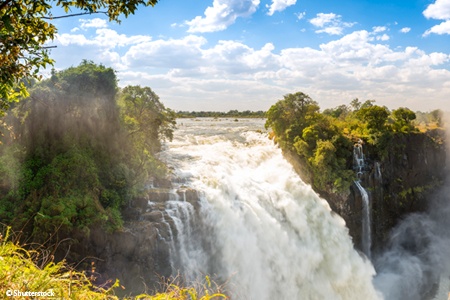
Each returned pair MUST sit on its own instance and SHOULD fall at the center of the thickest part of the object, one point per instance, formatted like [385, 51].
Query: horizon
[246, 55]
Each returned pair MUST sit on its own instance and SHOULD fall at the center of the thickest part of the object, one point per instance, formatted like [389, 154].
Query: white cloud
[322, 19]
[405, 30]
[222, 14]
[300, 15]
[330, 23]
[443, 28]
[383, 37]
[177, 53]
[280, 5]
[93, 23]
[105, 38]
[439, 10]
[191, 73]
[379, 28]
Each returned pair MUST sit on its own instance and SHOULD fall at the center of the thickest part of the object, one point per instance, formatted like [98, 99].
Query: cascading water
[358, 158]
[366, 230]
[264, 231]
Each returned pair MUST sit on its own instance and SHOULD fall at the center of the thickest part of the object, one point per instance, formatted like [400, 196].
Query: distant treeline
[218, 114]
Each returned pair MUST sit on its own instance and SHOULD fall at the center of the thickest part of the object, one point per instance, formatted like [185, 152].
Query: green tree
[76, 104]
[147, 122]
[374, 116]
[403, 118]
[339, 112]
[288, 117]
[72, 164]
[24, 29]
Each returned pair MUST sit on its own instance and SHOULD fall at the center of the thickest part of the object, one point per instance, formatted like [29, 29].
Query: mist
[416, 264]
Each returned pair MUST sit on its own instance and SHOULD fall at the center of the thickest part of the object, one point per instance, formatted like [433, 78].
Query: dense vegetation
[218, 114]
[324, 140]
[76, 150]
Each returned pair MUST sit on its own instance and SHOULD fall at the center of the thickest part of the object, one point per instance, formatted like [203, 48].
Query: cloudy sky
[246, 54]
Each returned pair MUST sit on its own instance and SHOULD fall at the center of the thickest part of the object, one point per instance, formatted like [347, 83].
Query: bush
[31, 271]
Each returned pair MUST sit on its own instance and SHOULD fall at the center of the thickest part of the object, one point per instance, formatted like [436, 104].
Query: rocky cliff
[398, 181]
[140, 255]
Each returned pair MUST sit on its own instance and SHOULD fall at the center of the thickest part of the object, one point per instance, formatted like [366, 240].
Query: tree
[147, 121]
[25, 28]
[145, 117]
[78, 102]
[288, 117]
[437, 116]
[403, 118]
[375, 116]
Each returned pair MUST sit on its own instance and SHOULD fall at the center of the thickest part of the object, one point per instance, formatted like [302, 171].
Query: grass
[30, 271]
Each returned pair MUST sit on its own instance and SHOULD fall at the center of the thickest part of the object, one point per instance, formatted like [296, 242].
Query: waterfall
[366, 239]
[187, 253]
[378, 175]
[265, 232]
[359, 164]
[358, 158]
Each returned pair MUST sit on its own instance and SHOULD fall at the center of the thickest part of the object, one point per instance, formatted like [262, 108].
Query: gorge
[341, 204]
[236, 209]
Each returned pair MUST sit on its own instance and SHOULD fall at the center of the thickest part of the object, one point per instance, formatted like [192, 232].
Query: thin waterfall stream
[359, 164]
[258, 227]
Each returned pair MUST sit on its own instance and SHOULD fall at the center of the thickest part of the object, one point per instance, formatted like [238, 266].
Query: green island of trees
[324, 140]
[79, 125]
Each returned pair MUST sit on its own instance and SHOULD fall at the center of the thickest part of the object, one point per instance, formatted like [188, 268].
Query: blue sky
[230, 54]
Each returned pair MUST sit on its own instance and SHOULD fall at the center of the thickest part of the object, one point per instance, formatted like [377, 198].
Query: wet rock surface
[139, 254]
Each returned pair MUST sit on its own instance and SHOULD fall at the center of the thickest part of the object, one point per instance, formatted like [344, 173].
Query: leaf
[6, 19]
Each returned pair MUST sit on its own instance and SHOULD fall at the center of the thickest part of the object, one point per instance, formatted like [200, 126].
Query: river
[262, 230]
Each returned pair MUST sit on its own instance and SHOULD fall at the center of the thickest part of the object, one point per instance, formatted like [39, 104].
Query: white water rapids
[264, 231]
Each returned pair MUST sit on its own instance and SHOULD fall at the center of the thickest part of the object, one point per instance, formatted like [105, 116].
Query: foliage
[198, 291]
[324, 141]
[145, 117]
[403, 118]
[25, 28]
[315, 137]
[74, 157]
[429, 120]
[288, 117]
[147, 122]
[19, 271]
[30, 270]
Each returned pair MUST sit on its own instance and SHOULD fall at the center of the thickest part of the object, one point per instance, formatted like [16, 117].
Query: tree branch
[74, 15]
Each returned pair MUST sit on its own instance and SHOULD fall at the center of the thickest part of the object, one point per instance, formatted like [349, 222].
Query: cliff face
[141, 254]
[410, 173]
[398, 184]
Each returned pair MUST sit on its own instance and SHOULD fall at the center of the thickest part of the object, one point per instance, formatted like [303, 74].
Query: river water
[262, 230]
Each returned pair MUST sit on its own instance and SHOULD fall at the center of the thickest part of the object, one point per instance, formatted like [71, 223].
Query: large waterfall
[258, 226]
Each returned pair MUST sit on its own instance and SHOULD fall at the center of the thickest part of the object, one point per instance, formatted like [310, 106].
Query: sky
[219, 55]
